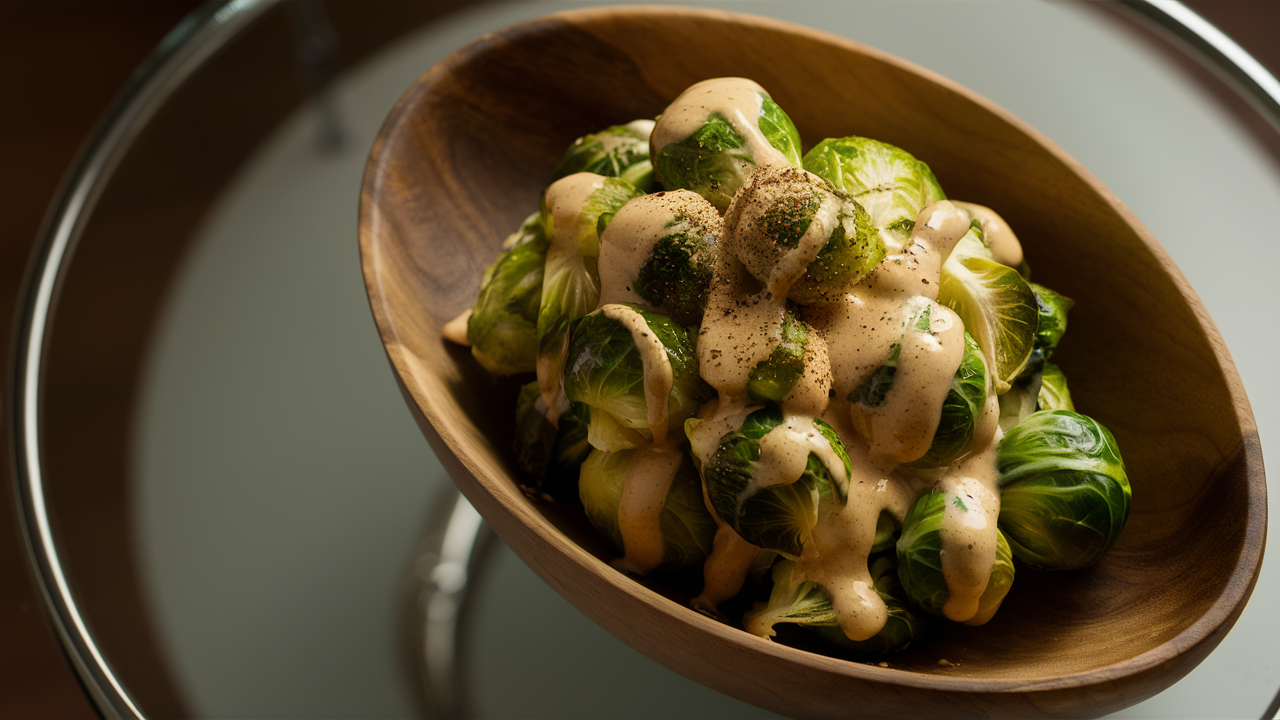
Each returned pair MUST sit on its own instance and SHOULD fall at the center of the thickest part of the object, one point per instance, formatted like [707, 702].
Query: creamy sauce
[658, 376]
[784, 454]
[455, 331]
[901, 429]
[655, 462]
[644, 495]
[1000, 238]
[737, 100]
[740, 328]
[969, 532]
[628, 241]
[836, 556]
[726, 568]
[566, 253]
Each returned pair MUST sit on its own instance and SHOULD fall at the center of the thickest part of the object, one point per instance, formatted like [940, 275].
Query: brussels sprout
[1053, 394]
[576, 209]
[777, 517]
[621, 151]
[920, 561]
[535, 435]
[1052, 309]
[875, 390]
[961, 411]
[1064, 494]
[606, 370]
[503, 328]
[660, 251]
[687, 528]
[997, 306]
[550, 455]
[774, 377]
[776, 210]
[804, 603]
[889, 182]
[724, 148]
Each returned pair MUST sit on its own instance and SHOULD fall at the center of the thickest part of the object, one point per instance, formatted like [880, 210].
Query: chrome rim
[181, 52]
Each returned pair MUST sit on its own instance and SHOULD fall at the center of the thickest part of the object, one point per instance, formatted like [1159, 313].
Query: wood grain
[463, 158]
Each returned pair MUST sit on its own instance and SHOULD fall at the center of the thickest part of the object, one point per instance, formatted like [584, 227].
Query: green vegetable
[715, 160]
[920, 560]
[777, 374]
[605, 370]
[889, 182]
[775, 210]
[687, 528]
[1064, 494]
[853, 249]
[676, 276]
[571, 284]
[1052, 309]
[997, 306]
[961, 411]
[777, 517]
[621, 151]
[806, 604]
[548, 454]
[503, 328]
[875, 391]
[1053, 394]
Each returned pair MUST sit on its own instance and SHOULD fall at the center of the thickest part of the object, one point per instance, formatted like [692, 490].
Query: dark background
[62, 64]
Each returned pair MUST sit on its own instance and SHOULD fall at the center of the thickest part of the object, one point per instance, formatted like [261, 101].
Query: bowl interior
[464, 158]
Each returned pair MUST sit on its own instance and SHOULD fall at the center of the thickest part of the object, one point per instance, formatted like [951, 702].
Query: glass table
[234, 508]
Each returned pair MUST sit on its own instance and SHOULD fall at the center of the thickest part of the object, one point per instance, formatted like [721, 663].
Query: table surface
[216, 350]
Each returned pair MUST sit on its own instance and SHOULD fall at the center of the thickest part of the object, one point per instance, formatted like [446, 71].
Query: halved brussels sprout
[503, 328]
[687, 528]
[711, 146]
[889, 182]
[780, 207]
[660, 251]
[606, 370]
[920, 561]
[777, 374]
[1053, 394]
[777, 517]
[575, 210]
[997, 306]
[804, 603]
[620, 151]
[1052, 309]
[1064, 493]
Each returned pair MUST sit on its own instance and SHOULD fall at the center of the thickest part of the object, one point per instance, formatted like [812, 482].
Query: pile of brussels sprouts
[1063, 492]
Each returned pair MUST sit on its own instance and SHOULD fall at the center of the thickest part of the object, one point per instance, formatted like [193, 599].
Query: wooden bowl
[464, 157]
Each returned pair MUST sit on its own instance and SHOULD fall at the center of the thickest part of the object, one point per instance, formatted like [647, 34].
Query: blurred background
[65, 62]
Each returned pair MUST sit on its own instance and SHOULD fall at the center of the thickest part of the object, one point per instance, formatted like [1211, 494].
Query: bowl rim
[1210, 627]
